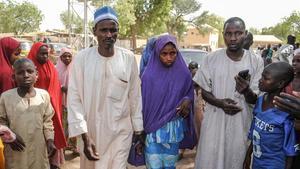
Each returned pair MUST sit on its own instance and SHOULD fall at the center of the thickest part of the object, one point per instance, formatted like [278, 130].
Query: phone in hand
[244, 74]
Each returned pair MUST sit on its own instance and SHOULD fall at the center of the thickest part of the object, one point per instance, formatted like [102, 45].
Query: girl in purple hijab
[167, 93]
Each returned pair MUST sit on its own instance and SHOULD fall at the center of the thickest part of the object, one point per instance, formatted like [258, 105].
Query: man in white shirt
[104, 98]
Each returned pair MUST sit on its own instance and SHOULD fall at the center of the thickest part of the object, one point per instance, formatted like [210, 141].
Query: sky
[255, 13]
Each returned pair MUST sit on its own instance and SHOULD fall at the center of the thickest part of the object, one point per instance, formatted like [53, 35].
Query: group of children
[31, 113]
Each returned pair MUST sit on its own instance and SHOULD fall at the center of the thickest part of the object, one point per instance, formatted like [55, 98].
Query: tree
[288, 25]
[180, 9]
[75, 21]
[213, 20]
[254, 31]
[142, 17]
[125, 21]
[294, 22]
[19, 18]
[98, 3]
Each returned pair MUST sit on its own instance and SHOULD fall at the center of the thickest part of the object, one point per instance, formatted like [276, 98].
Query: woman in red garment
[9, 52]
[48, 80]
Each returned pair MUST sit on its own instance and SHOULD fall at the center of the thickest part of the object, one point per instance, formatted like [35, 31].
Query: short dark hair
[282, 70]
[234, 19]
[22, 61]
[193, 65]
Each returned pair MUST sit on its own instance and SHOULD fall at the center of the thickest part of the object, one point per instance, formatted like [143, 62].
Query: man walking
[104, 98]
[227, 115]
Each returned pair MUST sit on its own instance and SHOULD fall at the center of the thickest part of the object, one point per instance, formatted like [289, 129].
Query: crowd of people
[236, 108]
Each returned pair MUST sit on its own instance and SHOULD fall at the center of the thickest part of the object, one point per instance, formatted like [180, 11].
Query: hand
[51, 148]
[246, 164]
[139, 138]
[18, 144]
[229, 106]
[241, 84]
[184, 108]
[288, 103]
[64, 89]
[89, 148]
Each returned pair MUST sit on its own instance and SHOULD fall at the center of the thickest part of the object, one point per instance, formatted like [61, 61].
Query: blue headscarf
[164, 88]
[146, 54]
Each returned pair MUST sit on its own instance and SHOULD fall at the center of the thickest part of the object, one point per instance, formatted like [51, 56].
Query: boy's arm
[16, 143]
[48, 127]
[290, 145]
[250, 88]
[47, 119]
[247, 160]
[297, 125]
[289, 162]
[3, 115]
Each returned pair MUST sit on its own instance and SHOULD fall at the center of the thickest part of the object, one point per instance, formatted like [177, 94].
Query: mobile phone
[244, 74]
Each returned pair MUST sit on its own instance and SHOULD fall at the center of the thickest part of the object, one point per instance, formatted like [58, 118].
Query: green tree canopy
[288, 25]
[142, 17]
[75, 21]
[210, 19]
[19, 18]
[176, 23]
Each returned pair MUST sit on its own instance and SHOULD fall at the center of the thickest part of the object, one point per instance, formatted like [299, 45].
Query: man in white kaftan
[104, 102]
[223, 140]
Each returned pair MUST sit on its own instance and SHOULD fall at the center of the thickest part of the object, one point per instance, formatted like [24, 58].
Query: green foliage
[19, 18]
[180, 9]
[254, 31]
[213, 20]
[75, 21]
[185, 7]
[98, 3]
[125, 9]
[150, 15]
[288, 25]
[142, 17]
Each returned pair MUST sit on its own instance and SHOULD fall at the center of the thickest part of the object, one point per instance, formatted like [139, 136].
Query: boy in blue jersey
[272, 134]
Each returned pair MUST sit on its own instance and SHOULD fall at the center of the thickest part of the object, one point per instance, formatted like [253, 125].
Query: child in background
[49, 81]
[28, 112]
[198, 100]
[63, 68]
[272, 131]
[294, 89]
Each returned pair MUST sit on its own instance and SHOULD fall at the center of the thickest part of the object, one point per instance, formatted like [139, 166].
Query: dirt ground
[187, 162]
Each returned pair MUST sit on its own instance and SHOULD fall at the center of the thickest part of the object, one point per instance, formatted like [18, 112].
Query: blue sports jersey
[273, 137]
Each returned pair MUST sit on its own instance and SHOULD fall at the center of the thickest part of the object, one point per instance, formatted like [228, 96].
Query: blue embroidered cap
[104, 13]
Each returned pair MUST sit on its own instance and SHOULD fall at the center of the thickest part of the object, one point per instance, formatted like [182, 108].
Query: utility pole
[69, 22]
[86, 40]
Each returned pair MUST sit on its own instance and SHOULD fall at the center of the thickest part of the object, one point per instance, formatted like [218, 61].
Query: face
[66, 58]
[42, 55]
[25, 75]
[296, 63]
[15, 55]
[234, 35]
[106, 32]
[247, 42]
[193, 71]
[268, 82]
[167, 55]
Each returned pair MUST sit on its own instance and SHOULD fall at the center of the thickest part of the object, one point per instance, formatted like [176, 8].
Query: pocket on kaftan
[117, 89]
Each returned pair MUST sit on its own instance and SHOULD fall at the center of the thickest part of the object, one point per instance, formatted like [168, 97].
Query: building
[264, 40]
[192, 38]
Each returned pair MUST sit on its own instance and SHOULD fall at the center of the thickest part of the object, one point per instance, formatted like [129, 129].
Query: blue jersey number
[256, 144]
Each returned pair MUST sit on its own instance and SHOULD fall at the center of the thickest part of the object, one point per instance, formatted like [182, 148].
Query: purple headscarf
[164, 88]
